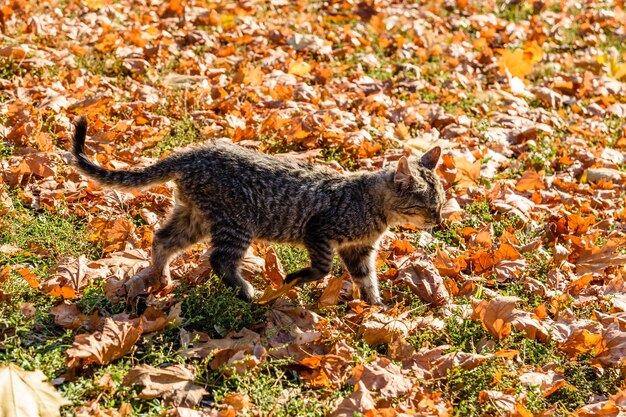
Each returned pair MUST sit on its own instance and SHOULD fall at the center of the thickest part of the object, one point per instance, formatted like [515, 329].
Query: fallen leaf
[116, 339]
[69, 316]
[271, 294]
[173, 384]
[424, 280]
[383, 377]
[25, 394]
[380, 328]
[359, 401]
[547, 382]
[331, 293]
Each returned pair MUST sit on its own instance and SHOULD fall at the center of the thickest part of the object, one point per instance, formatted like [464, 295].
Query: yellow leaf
[619, 71]
[515, 62]
[272, 294]
[25, 394]
[533, 52]
[299, 68]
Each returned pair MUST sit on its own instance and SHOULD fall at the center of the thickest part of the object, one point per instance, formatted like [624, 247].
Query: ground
[515, 305]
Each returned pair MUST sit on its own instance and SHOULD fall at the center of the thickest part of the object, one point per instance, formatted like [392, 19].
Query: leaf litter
[525, 98]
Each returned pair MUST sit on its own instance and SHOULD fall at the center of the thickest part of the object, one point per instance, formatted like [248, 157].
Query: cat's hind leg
[229, 247]
[182, 229]
[360, 260]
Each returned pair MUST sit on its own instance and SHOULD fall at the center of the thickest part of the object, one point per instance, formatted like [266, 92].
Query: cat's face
[418, 191]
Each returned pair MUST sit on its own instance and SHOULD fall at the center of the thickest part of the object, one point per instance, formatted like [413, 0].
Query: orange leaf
[272, 294]
[331, 293]
[531, 181]
[31, 278]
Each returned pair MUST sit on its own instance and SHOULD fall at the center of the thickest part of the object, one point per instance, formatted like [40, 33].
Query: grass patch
[44, 237]
[276, 391]
[184, 132]
[213, 308]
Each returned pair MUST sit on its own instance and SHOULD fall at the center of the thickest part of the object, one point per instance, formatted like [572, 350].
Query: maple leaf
[424, 280]
[25, 394]
[611, 349]
[331, 293]
[289, 323]
[594, 258]
[324, 370]
[360, 400]
[384, 377]
[497, 315]
[69, 316]
[273, 269]
[548, 382]
[174, 384]
[116, 339]
[506, 404]
[379, 328]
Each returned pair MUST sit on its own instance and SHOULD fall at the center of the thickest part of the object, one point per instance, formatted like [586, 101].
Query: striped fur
[231, 196]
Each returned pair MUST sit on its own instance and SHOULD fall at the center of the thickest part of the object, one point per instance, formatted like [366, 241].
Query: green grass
[183, 132]
[98, 63]
[35, 231]
[211, 307]
[275, 390]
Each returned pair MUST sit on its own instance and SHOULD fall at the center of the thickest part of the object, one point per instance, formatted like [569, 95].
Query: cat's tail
[133, 178]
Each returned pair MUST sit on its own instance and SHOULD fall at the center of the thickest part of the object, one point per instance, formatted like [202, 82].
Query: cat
[230, 196]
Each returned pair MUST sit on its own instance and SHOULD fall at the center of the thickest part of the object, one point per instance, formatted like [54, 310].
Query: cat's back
[221, 159]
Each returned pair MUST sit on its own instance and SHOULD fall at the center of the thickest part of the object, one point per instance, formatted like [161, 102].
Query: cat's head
[417, 191]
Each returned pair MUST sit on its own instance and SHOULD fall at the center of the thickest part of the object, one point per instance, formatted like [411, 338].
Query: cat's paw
[246, 292]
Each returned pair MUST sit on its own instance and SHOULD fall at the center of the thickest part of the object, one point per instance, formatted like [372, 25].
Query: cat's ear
[403, 175]
[429, 159]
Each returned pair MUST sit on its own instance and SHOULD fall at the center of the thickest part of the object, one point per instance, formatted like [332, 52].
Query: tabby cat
[232, 196]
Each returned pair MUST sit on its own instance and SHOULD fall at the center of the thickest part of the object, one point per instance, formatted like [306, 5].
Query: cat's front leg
[360, 260]
[321, 254]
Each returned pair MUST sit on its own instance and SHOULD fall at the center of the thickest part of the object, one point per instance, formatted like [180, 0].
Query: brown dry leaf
[447, 266]
[25, 394]
[497, 315]
[331, 293]
[420, 275]
[324, 370]
[235, 341]
[289, 323]
[611, 349]
[467, 174]
[506, 404]
[380, 328]
[272, 294]
[273, 269]
[439, 366]
[547, 382]
[596, 259]
[530, 181]
[113, 234]
[615, 406]
[69, 316]
[360, 401]
[240, 360]
[239, 402]
[241, 351]
[153, 319]
[73, 273]
[383, 377]
[116, 339]
[173, 384]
